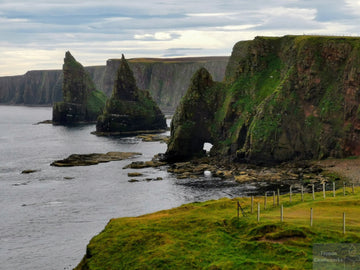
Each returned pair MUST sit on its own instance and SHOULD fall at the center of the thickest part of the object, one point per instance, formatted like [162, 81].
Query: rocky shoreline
[296, 174]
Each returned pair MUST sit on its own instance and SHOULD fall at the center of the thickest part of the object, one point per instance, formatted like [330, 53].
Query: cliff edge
[288, 98]
[167, 80]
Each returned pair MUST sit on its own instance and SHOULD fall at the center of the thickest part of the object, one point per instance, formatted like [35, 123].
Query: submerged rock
[82, 101]
[92, 159]
[29, 171]
[129, 110]
[288, 98]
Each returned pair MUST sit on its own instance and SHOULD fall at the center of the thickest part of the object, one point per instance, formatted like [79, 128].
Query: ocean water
[48, 217]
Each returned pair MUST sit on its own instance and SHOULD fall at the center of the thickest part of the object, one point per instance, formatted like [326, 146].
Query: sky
[36, 34]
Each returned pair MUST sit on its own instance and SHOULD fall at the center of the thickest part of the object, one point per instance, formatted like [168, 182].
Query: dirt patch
[348, 168]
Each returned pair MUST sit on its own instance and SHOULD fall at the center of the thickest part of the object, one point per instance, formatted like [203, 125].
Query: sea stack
[129, 110]
[82, 101]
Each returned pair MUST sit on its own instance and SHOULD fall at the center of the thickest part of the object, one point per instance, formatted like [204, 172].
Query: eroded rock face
[129, 109]
[190, 127]
[82, 102]
[289, 98]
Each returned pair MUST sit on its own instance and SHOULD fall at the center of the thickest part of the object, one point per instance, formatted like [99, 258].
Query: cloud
[35, 34]
[157, 36]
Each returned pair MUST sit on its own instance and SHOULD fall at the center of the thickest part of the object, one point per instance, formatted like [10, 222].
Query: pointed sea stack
[129, 110]
[190, 127]
[82, 102]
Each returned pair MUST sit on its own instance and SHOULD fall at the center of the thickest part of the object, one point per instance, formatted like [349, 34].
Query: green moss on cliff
[288, 98]
[208, 235]
[95, 103]
[129, 109]
[82, 102]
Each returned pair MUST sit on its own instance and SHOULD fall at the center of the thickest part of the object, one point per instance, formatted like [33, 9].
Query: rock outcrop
[191, 124]
[289, 98]
[92, 159]
[82, 101]
[166, 79]
[129, 110]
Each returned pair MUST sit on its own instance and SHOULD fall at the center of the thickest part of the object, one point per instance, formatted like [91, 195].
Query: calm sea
[48, 217]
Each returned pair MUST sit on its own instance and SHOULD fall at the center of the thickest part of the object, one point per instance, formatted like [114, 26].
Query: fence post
[324, 195]
[344, 223]
[282, 213]
[265, 200]
[353, 188]
[313, 192]
[334, 189]
[302, 193]
[274, 198]
[278, 197]
[290, 192]
[258, 212]
[311, 217]
[238, 210]
[252, 204]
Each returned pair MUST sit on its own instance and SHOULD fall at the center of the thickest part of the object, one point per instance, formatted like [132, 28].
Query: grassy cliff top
[209, 235]
[176, 60]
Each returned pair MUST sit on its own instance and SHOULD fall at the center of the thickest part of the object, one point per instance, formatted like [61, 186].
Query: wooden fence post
[334, 189]
[282, 213]
[302, 193]
[252, 204]
[238, 210]
[274, 198]
[344, 223]
[313, 191]
[311, 217]
[290, 192]
[258, 212]
[278, 197]
[265, 200]
[324, 195]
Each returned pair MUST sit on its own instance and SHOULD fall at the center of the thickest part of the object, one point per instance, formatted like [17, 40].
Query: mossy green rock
[82, 101]
[294, 97]
[129, 109]
[191, 123]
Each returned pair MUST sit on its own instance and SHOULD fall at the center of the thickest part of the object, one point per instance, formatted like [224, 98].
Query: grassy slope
[208, 235]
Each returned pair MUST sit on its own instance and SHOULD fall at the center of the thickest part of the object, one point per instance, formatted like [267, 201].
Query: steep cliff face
[295, 97]
[35, 87]
[129, 109]
[82, 102]
[191, 124]
[166, 79]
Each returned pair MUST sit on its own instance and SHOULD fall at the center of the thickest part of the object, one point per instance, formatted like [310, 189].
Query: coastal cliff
[289, 98]
[167, 80]
[129, 109]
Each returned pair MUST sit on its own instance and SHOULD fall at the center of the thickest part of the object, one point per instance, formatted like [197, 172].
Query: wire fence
[272, 199]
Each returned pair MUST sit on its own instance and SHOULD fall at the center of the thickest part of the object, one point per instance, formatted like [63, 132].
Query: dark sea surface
[48, 217]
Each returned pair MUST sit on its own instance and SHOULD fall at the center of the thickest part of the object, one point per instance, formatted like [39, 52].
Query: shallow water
[48, 217]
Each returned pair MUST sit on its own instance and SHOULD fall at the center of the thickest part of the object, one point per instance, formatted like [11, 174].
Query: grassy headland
[208, 235]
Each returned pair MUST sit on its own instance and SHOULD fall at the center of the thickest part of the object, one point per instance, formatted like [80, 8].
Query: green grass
[96, 101]
[209, 235]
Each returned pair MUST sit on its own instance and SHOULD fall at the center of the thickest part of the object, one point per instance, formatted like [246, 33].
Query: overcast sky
[35, 34]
